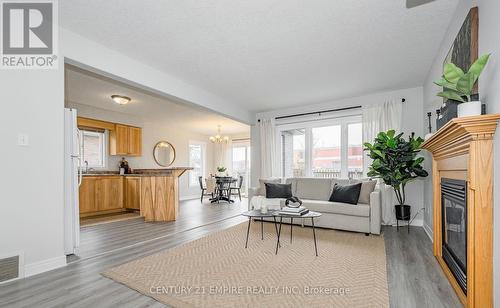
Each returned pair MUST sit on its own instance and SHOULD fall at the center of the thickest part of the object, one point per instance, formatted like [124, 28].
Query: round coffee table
[259, 214]
[310, 214]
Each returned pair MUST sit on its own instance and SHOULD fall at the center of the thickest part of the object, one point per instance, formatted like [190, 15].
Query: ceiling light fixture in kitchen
[120, 100]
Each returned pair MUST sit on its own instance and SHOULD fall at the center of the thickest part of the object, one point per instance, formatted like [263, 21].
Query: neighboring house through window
[328, 148]
[196, 161]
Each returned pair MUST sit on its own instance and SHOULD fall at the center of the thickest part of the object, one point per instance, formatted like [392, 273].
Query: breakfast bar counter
[159, 193]
[154, 192]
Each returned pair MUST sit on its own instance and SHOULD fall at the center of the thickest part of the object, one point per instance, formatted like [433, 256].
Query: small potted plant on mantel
[458, 86]
[395, 161]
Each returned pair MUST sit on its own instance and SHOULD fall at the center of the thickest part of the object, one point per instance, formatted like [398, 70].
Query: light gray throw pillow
[367, 187]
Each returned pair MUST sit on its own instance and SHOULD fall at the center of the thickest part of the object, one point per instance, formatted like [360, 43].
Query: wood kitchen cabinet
[109, 193]
[135, 141]
[101, 194]
[133, 192]
[87, 195]
[125, 140]
[154, 192]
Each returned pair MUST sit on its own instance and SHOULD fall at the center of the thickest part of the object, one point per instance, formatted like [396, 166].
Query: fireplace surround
[462, 176]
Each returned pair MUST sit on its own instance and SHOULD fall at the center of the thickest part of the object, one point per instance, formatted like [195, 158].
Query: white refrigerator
[72, 181]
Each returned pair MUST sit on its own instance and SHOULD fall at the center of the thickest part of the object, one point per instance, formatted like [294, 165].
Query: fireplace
[462, 181]
[454, 228]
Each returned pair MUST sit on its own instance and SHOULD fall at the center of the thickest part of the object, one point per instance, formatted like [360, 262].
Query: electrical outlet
[22, 140]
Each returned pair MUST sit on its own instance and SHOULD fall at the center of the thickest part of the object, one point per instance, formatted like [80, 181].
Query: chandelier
[219, 138]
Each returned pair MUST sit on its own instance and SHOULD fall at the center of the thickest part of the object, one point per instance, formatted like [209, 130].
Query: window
[293, 152]
[197, 162]
[325, 148]
[355, 150]
[241, 162]
[326, 151]
[94, 148]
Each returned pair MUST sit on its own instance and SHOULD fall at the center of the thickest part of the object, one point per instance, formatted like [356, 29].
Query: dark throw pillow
[274, 191]
[346, 193]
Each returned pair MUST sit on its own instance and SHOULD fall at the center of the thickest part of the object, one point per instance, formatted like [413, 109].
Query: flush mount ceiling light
[120, 100]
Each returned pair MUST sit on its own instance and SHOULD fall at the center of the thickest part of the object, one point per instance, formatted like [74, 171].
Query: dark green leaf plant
[395, 161]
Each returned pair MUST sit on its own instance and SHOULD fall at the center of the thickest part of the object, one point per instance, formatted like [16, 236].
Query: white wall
[153, 130]
[31, 193]
[432, 102]
[489, 91]
[411, 123]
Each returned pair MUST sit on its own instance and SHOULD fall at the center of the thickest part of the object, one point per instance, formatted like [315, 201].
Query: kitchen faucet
[87, 169]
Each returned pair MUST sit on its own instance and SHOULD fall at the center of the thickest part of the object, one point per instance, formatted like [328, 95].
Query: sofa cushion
[367, 187]
[341, 181]
[274, 191]
[362, 210]
[314, 189]
[292, 181]
[346, 193]
[262, 186]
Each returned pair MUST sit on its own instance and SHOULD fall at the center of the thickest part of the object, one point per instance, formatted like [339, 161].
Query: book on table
[294, 211]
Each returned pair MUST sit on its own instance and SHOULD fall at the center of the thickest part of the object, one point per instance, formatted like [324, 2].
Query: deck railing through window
[328, 173]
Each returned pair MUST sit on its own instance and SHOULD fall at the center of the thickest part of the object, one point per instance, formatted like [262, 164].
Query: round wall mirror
[164, 153]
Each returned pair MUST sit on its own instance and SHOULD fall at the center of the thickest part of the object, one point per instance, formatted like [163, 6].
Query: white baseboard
[44, 266]
[414, 223]
[429, 231]
[191, 197]
[417, 222]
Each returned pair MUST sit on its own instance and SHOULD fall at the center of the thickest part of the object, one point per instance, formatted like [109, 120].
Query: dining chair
[237, 188]
[204, 189]
[211, 187]
[225, 188]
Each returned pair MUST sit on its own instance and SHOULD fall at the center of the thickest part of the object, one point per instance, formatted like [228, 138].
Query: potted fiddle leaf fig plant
[395, 161]
[459, 86]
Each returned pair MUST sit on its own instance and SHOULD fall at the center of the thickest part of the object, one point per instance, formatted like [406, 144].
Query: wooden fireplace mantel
[463, 149]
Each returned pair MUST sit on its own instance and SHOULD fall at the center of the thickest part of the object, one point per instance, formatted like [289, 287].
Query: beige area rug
[217, 270]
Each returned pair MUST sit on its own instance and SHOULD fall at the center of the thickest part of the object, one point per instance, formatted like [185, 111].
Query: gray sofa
[315, 192]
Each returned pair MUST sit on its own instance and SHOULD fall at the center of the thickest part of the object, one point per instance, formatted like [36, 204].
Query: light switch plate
[22, 140]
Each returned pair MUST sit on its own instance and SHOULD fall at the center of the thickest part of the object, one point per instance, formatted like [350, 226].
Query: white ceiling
[269, 54]
[93, 90]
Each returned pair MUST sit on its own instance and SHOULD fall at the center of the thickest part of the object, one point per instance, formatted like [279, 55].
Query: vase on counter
[125, 166]
[473, 108]
[263, 207]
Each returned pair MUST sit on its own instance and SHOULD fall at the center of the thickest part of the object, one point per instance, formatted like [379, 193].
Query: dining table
[223, 192]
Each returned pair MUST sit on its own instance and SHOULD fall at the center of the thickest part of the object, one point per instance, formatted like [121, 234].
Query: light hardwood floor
[95, 240]
[415, 279]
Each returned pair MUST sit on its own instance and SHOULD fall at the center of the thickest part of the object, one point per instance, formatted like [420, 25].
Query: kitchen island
[154, 192]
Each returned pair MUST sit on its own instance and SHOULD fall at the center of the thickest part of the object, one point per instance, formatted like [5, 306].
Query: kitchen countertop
[138, 172]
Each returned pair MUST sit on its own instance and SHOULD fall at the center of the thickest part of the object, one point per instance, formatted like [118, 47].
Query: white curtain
[269, 164]
[376, 118]
[223, 155]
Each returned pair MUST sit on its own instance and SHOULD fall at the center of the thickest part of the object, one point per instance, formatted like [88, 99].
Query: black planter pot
[403, 212]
